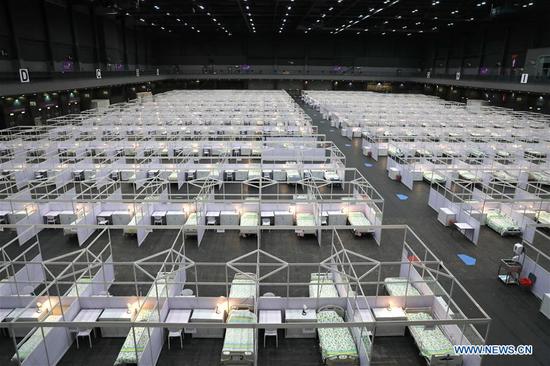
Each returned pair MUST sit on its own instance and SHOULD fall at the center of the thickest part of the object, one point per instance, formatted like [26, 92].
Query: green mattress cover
[34, 340]
[242, 288]
[239, 339]
[398, 286]
[127, 354]
[543, 217]
[321, 285]
[500, 222]
[305, 219]
[249, 219]
[358, 219]
[335, 342]
[433, 177]
[431, 340]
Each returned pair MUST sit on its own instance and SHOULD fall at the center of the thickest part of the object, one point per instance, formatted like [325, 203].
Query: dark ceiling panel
[232, 17]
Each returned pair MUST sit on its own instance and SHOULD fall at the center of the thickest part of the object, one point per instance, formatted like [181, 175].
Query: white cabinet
[298, 316]
[446, 216]
[393, 173]
[545, 307]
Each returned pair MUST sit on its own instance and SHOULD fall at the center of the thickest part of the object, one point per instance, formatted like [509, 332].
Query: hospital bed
[399, 286]
[433, 344]
[131, 228]
[249, 223]
[322, 285]
[243, 286]
[82, 284]
[543, 217]
[539, 177]
[468, 176]
[254, 174]
[292, 176]
[501, 223]
[33, 340]
[504, 176]
[238, 344]
[337, 344]
[359, 223]
[332, 177]
[433, 177]
[131, 348]
[72, 229]
[191, 224]
[305, 222]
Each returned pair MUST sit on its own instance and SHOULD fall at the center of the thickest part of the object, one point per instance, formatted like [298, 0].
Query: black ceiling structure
[328, 17]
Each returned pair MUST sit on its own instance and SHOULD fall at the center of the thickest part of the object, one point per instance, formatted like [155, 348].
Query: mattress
[81, 286]
[192, 219]
[358, 219]
[543, 217]
[540, 177]
[335, 342]
[433, 177]
[504, 176]
[239, 340]
[321, 285]
[398, 286]
[469, 176]
[242, 288]
[34, 340]
[249, 219]
[501, 223]
[331, 176]
[305, 219]
[430, 340]
[127, 354]
[292, 176]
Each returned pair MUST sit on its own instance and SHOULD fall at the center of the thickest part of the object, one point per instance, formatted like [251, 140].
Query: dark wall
[51, 33]
[490, 46]
[360, 50]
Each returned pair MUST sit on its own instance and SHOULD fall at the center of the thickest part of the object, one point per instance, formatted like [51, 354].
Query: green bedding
[127, 354]
[504, 176]
[305, 219]
[430, 340]
[539, 177]
[335, 342]
[543, 217]
[242, 288]
[398, 286]
[358, 219]
[82, 285]
[34, 340]
[321, 285]
[249, 219]
[239, 340]
[192, 219]
[501, 223]
[469, 176]
[433, 177]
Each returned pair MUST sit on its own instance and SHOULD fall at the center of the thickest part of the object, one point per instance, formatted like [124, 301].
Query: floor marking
[469, 261]
[402, 197]
[368, 165]
[331, 130]
[348, 145]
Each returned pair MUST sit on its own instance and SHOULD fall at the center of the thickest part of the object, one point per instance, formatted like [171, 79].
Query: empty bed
[359, 222]
[249, 223]
[305, 222]
[243, 286]
[238, 345]
[322, 285]
[399, 286]
[433, 344]
[337, 344]
[501, 223]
